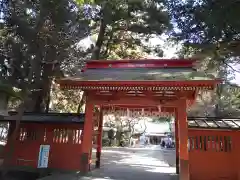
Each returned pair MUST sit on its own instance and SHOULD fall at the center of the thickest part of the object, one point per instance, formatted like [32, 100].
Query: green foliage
[42, 37]
[123, 26]
[207, 24]
[82, 2]
[65, 101]
[105, 142]
[210, 31]
[120, 29]
[162, 119]
[9, 90]
[39, 37]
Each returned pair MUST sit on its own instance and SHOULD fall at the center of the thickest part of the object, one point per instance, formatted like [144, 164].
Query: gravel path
[149, 163]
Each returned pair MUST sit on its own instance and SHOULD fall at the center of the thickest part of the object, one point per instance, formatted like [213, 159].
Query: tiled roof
[49, 117]
[193, 122]
[140, 74]
[214, 123]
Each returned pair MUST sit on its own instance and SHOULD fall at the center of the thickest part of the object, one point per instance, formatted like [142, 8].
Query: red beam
[141, 63]
[132, 101]
[188, 83]
[151, 108]
[148, 94]
[145, 94]
[121, 100]
[99, 139]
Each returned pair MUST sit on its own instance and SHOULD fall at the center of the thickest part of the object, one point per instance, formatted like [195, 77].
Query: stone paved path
[132, 164]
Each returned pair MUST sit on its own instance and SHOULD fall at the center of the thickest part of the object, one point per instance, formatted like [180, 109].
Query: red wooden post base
[98, 161]
[99, 139]
[177, 165]
[87, 137]
[176, 143]
[85, 162]
[183, 140]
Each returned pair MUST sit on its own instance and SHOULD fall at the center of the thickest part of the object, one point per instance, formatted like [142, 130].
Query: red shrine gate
[158, 85]
[212, 141]
[155, 83]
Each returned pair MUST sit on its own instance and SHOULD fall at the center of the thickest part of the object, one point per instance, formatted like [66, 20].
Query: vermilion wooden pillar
[235, 151]
[176, 142]
[87, 136]
[99, 139]
[183, 139]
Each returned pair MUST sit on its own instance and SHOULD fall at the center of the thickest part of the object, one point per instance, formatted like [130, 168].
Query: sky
[169, 51]
[237, 75]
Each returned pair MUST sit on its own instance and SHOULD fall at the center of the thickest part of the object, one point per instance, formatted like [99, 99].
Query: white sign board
[43, 156]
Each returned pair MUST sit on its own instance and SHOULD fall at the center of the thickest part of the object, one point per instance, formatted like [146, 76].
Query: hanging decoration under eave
[133, 113]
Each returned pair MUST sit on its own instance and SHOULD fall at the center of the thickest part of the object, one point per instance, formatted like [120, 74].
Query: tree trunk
[118, 137]
[41, 97]
[3, 103]
[97, 49]
[48, 100]
[96, 52]
[217, 109]
[110, 142]
[82, 102]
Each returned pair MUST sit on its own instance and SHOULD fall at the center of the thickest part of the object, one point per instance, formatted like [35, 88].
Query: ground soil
[20, 175]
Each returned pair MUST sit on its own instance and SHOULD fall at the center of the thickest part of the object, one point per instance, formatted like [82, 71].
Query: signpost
[43, 156]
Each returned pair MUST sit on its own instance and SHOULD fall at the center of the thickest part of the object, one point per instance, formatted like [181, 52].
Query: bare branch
[235, 70]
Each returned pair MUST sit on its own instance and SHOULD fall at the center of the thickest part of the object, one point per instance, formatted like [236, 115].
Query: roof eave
[186, 83]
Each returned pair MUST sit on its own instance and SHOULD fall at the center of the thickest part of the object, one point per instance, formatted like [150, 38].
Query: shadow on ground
[20, 175]
[138, 164]
[124, 164]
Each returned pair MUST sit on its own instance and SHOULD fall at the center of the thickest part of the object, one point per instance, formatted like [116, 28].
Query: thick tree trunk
[48, 100]
[3, 103]
[97, 49]
[41, 97]
[95, 53]
[82, 102]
